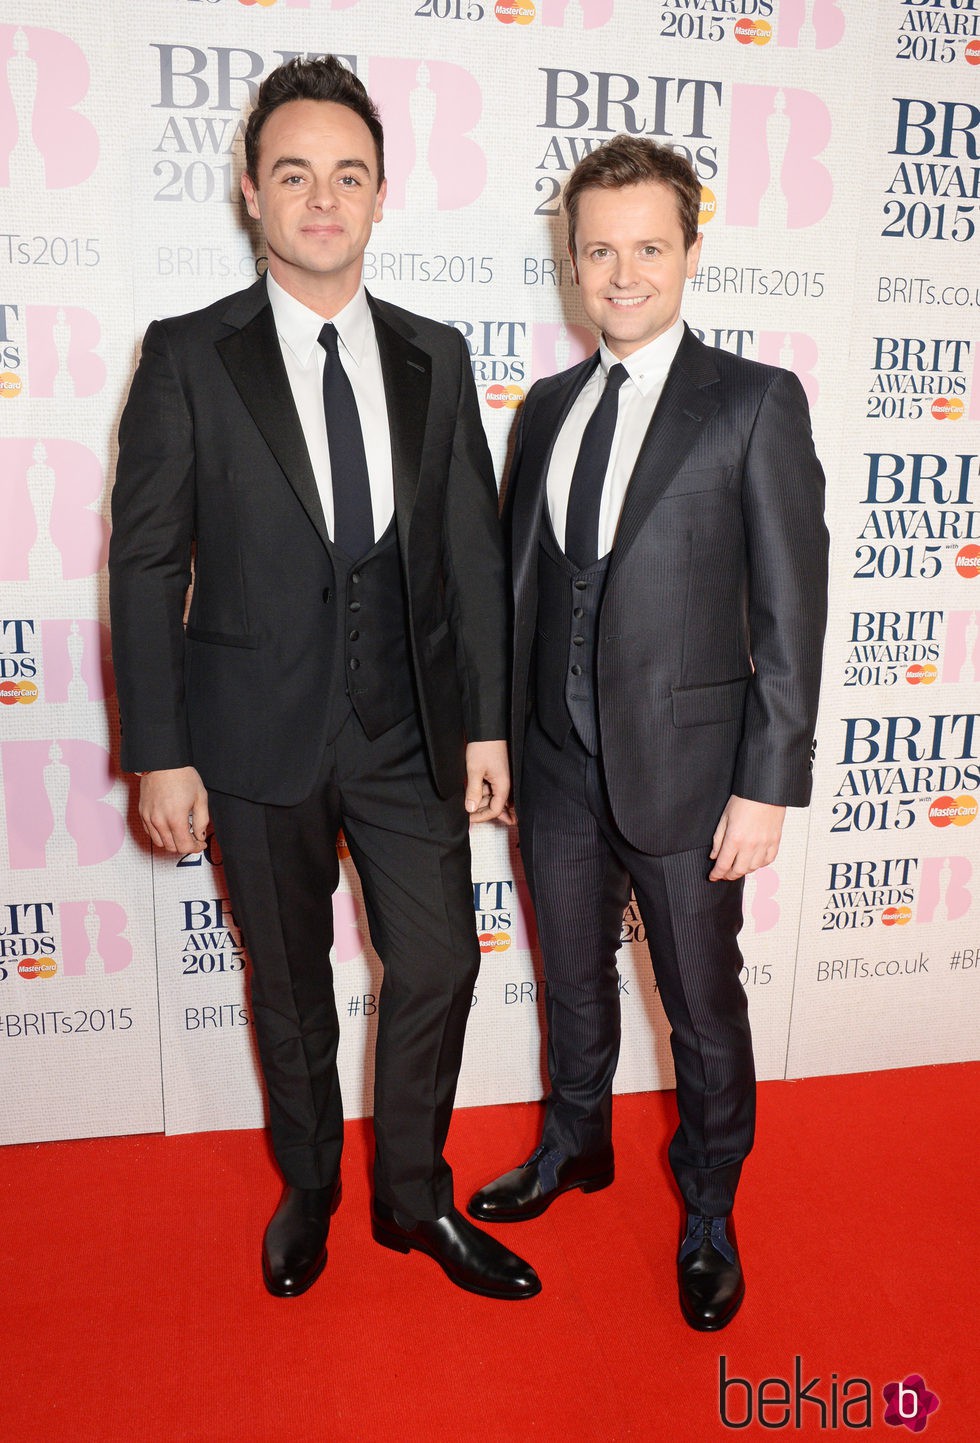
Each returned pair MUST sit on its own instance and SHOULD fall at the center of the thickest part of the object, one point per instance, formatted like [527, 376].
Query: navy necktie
[585, 492]
[353, 518]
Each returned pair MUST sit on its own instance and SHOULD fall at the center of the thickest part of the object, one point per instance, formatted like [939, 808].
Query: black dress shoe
[294, 1249]
[709, 1273]
[527, 1191]
[469, 1258]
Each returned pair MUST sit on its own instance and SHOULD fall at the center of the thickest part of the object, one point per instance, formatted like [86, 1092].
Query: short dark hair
[632, 160]
[324, 78]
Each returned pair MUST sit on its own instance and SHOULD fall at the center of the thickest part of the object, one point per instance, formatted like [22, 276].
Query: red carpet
[133, 1309]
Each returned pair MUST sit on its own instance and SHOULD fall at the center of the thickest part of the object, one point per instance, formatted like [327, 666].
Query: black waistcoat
[371, 670]
[568, 613]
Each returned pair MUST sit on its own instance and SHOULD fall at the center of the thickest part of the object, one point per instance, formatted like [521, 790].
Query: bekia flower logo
[910, 1403]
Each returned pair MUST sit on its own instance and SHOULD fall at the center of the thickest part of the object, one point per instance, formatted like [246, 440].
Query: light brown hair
[632, 160]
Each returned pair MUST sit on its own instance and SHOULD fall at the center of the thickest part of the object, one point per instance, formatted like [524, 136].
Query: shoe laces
[701, 1229]
[541, 1153]
[547, 1160]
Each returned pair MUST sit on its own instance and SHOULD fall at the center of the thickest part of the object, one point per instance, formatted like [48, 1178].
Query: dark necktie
[585, 492]
[353, 519]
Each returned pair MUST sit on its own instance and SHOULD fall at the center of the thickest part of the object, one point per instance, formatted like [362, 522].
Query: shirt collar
[299, 328]
[648, 366]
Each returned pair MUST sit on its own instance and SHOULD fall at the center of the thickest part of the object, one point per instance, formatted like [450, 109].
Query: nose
[320, 196]
[624, 275]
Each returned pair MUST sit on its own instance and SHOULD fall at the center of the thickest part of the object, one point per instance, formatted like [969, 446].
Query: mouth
[627, 303]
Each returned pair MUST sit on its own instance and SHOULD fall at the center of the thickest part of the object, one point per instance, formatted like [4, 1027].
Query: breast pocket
[693, 482]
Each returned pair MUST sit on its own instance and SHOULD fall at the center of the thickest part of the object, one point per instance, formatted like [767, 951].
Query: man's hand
[488, 782]
[174, 809]
[746, 838]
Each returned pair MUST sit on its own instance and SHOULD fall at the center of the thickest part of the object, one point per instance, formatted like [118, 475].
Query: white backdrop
[839, 147]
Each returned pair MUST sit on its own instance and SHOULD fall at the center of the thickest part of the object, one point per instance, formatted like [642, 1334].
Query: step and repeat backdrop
[839, 149]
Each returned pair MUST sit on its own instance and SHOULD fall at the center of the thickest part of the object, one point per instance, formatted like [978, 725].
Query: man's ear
[250, 192]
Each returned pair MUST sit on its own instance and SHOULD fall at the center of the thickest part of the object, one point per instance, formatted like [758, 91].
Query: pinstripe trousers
[580, 870]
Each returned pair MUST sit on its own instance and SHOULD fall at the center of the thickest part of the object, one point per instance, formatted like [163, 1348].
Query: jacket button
[581, 585]
[354, 606]
[355, 577]
[353, 636]
[578, 611]
[576, 670]
[326, 593]
[353, 663]
[578, 640]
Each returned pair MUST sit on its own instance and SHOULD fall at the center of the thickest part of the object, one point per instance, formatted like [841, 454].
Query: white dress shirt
[647, 370]
[299, 329]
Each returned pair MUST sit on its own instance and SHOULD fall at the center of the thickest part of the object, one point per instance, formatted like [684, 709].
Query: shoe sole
[402, 1245]
[542, 1204]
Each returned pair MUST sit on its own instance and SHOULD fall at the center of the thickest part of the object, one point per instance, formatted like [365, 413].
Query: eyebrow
[661, 242]
[298, 161]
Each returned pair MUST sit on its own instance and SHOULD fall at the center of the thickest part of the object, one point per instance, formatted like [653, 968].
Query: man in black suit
[669, 570]
[343, 660]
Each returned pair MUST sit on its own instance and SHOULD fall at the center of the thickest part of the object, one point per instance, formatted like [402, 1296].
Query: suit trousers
[412, 854]
[580, 870]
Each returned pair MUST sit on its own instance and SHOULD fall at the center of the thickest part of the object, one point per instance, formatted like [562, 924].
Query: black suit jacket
[212, 461]
[709, 638]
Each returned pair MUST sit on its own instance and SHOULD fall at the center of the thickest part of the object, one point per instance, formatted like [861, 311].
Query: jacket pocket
[698, 706]
[222, 638]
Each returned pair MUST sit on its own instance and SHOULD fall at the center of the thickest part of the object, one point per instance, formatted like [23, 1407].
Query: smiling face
[317, 197]
[631, 262]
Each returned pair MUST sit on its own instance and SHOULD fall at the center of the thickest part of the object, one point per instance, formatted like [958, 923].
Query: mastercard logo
[10, 385]
[32, 967]
[968, 560]
[510, 13]
[953, 811]
[972, 52]
[896, 916]
[494, 941]
[753, 32]
[920, 674]
[12, 692]
[264, 3]
[709, 206]
[947, 408]
[499, 397]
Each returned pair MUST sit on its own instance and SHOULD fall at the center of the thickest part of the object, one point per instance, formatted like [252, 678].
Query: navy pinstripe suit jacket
[711, 628]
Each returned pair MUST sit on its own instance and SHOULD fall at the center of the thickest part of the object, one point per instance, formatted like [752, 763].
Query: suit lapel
[537, 443]
[253, 359]
[407, 373]
[685, 406]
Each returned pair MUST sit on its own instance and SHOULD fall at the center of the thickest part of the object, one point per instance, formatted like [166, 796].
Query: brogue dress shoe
[526, 1191]
[709, 1273]
[294, 1249]
[467, 1256]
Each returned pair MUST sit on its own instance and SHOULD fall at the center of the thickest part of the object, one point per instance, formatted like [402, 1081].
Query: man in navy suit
[669, 574]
